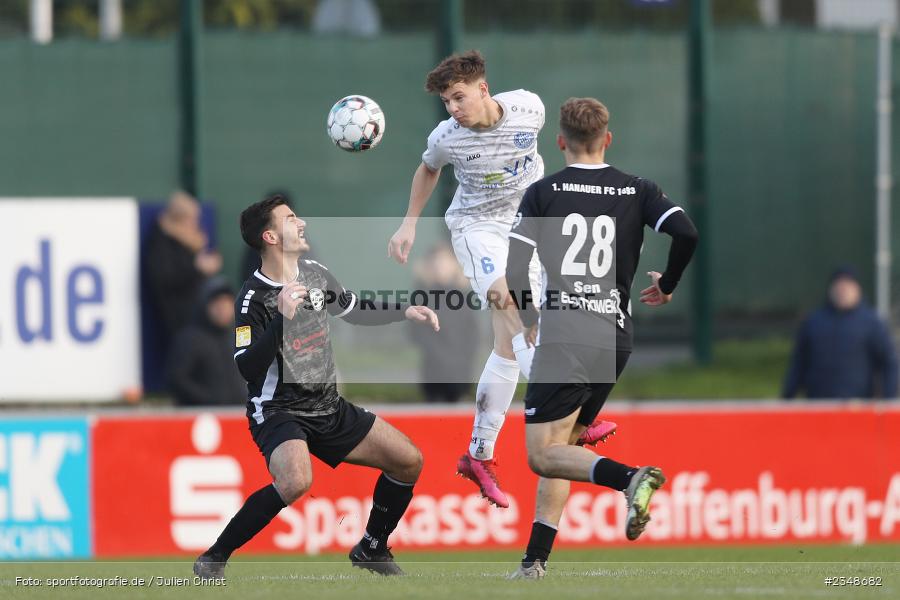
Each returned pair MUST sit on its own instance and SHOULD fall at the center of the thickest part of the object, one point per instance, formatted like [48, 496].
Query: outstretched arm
[423, 184]
[347, 305]
[684, 242]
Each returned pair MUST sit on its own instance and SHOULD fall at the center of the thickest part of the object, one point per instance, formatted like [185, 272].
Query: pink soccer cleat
[481, 472]
[597, 432]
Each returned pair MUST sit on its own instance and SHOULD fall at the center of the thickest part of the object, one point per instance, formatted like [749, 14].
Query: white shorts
[482, 250]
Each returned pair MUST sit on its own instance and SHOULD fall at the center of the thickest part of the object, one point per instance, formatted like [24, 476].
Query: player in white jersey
[491, 141]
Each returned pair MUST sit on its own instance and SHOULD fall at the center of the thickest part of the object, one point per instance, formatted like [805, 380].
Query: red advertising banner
[736, 474]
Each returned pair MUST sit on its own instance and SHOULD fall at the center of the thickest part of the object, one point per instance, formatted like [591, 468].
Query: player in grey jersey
[491, 141]
[282, 349]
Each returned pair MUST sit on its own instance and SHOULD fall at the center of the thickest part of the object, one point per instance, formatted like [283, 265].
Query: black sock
[260, 508]
[539, 544]
[389, 502]
[611, 474]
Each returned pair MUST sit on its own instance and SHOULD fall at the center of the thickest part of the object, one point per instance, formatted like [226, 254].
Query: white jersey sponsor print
[493, 166]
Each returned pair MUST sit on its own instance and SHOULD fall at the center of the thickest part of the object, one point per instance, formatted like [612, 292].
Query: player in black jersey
[587, 224]
[282, 349]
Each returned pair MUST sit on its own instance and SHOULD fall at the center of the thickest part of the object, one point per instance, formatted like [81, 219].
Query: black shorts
[564, 378]
[330, 438]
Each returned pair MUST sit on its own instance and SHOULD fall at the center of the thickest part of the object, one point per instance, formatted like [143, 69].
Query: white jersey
[493, 166]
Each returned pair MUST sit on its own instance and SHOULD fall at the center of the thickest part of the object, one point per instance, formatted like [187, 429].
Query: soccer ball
[355, 123]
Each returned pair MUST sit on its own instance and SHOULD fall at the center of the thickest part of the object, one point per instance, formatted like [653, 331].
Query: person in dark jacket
[447, 360]
[843, 349]
[177, 263]
[201, 370]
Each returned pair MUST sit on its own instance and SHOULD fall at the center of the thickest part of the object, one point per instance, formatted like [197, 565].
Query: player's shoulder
[444, 130]
[316, 274]
[313, 265]
[522, 99]
[641, 184]
[253, 292]
[255, 284]
[647, 188]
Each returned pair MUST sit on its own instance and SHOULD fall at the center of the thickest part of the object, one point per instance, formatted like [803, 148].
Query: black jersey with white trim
[289, 364]
[574, 218]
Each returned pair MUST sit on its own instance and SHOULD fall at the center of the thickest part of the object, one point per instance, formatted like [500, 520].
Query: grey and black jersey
[289, 364]
[587, 224]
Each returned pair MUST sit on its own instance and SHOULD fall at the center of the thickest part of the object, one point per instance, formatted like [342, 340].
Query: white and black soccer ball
[355, 123]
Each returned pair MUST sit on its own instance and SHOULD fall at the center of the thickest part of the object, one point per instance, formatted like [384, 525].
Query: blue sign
[44, 489]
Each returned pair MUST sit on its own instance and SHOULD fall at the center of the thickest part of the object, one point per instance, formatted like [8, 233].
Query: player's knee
[536, 462]
[412, 465]
[419, 462]
[292, 488]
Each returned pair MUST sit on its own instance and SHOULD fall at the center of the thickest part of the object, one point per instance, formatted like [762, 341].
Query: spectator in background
[447, 359]
[358, 18]
[176, 262]
[843, 350]
[201, 370]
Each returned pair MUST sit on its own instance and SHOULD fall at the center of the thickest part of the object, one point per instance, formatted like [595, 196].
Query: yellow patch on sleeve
[242, 336]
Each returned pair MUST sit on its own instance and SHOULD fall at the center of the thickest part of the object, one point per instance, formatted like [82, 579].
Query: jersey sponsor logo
[523, 139]
[492, 178]
[316, 299]
[310, 342]
[473, 156]
[514, 170]
[562, 300]
[242, 336]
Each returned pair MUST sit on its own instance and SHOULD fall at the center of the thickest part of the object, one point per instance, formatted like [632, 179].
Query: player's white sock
[493, 396]
[524, 354]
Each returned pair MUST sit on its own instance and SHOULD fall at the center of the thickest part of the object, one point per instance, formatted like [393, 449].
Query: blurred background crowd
[779, 148]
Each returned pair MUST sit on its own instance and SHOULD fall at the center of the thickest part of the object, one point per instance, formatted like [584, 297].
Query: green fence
[82, 118]
[792, 164]
[792, 133]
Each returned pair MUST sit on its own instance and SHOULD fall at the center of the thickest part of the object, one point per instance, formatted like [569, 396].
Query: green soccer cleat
[643, 483]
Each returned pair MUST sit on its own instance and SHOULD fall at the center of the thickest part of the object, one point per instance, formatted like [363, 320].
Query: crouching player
[293, 406]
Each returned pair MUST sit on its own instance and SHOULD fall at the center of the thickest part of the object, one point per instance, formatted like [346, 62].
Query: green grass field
[709, 572]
